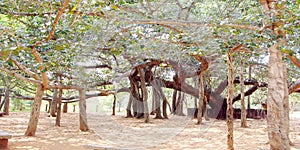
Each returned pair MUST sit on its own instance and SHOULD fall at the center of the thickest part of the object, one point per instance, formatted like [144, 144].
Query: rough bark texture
[277, 112]
[53, 109]
[35, 112]
[58, 117]
[229, 120]
[243, 107]
[83, 125]
[277, 101]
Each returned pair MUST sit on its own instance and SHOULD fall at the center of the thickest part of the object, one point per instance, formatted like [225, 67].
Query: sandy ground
[117, 132]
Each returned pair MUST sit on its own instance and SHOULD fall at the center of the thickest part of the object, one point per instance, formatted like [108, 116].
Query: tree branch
[294, 87]
[27, 71]
[190, 24]
[294, 60]
[14, 74]
[97, 66]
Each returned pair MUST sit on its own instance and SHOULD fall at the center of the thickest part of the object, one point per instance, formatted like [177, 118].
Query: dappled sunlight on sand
[118, 132]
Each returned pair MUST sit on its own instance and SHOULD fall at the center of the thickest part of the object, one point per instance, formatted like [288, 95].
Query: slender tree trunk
[249, 103]
[229, 119]
[174, 98]
[49, 106]
[114, 106]
[205, 102]
[1, 103]
[35, 112]
[6, 100]
[201, 98]
[83, 125]
[58, 117]
[165, 102]
[195, 98]
[154, 97]
[65, 108]
[46, 108]
[243, 107]
[53, 109]
[277, 112]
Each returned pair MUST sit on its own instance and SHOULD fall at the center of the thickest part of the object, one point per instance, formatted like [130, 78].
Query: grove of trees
[217, 51]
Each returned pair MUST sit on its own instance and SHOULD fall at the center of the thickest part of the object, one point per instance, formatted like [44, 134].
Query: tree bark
[156, 96]
[53, 109]
[174, 98]
[83, 125]
[205, 102]
[277, 112]
[1, 103]
[229, 119]
[243, 107]
[249, 103]
[35, 111]
[58, 117]
[195, 85]
[114, 106]
[145, 95]
[201, 98]
[131, 98]
[179, 104]
[6, 100]
[65, 108]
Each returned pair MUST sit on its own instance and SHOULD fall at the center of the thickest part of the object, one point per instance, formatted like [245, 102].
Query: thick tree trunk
[277, 112]
[58, 117]
[128, 109]
[35, 112]
[83, 125]
[53, 109]
[229, 120]
[156, 100]
[179, 104]
[174, 98]
[65, 108]
[145, 94]
[243, 107]
[6, 100]
[131, 99]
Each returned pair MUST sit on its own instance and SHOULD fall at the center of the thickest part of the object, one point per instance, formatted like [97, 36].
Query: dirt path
[117, 132]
